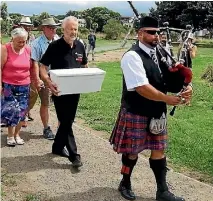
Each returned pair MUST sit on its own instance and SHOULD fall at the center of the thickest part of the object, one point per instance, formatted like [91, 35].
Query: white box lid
[77, 71]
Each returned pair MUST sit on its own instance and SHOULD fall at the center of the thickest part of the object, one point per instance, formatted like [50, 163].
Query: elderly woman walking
[16, 74]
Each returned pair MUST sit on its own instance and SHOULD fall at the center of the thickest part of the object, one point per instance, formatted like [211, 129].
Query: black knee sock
[127, 167]
[159, 168]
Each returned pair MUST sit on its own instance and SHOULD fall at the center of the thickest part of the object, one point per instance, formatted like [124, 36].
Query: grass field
[190, 129]
[100, 42]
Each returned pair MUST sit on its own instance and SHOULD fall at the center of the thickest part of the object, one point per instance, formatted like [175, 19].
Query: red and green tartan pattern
[130, 134]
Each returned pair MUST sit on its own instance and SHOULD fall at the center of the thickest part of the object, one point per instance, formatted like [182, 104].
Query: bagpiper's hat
[148, 22]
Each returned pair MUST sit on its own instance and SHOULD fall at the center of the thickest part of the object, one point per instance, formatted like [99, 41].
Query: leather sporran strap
[157, 126]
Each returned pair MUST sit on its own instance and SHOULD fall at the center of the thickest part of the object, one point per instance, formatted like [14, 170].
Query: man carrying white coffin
[65, 53]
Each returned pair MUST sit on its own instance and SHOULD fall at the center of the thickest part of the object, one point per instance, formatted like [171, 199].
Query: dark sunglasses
[152, 32]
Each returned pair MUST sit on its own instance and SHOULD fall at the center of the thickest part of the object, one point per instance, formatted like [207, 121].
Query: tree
[111, 32]
[43, 16]
[60, 17]
[181, 13]
[73, 13]
[99, 15]
[16, 17]
[4, 13]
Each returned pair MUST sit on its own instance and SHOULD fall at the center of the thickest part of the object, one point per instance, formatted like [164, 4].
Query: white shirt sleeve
[133, 70]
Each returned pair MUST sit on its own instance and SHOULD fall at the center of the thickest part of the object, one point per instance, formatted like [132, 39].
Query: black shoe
[77, 162]
[63, 153]
[126, 191]
[167, 196]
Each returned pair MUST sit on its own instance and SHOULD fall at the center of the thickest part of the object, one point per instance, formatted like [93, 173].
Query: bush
[59, 32]
[83, 32]
[113, 29]
[5, 27]
[208, 74]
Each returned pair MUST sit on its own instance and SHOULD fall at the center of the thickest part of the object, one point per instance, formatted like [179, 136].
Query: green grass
[190, 129]
[99, 43]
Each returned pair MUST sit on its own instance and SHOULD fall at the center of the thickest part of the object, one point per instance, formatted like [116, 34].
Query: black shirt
[59, 55]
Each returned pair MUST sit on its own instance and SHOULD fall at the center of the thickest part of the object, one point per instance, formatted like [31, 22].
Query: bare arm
[36, 68]
[3, 61]
[193, 52]
[44, 76]
[151, 93]
[43, 72]
[3, 55]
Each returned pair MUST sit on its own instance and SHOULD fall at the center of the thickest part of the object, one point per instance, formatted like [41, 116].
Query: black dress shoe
[126, 191]
[63, 153]
[77, 162]
[167, 196]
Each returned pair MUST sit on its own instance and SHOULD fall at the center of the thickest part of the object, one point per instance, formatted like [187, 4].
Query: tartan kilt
[131, 135]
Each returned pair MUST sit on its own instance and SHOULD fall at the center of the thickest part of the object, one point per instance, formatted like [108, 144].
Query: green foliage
[112, 32]
[181, 13]
[208, 74]
[16, 17]
[83, 32]
[99, 15]
[43, 16]
[73, 13]
[4, 12]
[35, 20]
[59, 31]
[5, 27]
[60, 17]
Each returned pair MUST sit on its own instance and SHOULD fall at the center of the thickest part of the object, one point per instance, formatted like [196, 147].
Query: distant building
[126, 21]
[201, 33]
[81, 22]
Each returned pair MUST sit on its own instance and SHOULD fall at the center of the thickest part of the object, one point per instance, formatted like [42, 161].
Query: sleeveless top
[16, 70]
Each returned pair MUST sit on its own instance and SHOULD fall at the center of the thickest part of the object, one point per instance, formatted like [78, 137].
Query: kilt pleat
[131, 134]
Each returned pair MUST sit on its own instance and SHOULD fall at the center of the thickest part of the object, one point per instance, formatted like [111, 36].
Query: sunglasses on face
[152, 32]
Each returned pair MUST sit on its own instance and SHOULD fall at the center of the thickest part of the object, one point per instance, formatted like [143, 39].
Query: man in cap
[39, 47]
[141, 122]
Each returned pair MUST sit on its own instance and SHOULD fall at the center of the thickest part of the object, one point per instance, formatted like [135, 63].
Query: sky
[61, 7]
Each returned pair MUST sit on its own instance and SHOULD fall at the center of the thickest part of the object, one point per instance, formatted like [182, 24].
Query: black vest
[136, 103]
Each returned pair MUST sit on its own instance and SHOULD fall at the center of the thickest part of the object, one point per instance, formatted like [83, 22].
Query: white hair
[19, 32]
[68, 19]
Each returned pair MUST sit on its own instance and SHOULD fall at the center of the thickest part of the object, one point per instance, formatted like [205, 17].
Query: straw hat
[25, 21]
[49, 22]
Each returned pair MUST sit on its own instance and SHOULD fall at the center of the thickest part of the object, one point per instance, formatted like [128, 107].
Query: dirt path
[109, 56]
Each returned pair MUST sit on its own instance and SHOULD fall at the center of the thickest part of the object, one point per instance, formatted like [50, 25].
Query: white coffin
[78, 80]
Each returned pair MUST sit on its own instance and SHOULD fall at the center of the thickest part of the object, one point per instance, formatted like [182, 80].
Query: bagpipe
[175, 64]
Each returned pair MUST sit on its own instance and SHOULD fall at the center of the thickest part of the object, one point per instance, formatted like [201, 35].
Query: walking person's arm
[46, 61]
[35, 57]
[3, 61]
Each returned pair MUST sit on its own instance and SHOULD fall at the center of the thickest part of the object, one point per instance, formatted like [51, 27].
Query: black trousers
[66, 107]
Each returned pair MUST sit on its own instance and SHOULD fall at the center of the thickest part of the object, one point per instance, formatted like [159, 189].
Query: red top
[16, 70]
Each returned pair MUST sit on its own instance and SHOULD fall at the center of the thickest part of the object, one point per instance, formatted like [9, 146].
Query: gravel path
[36, 171]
